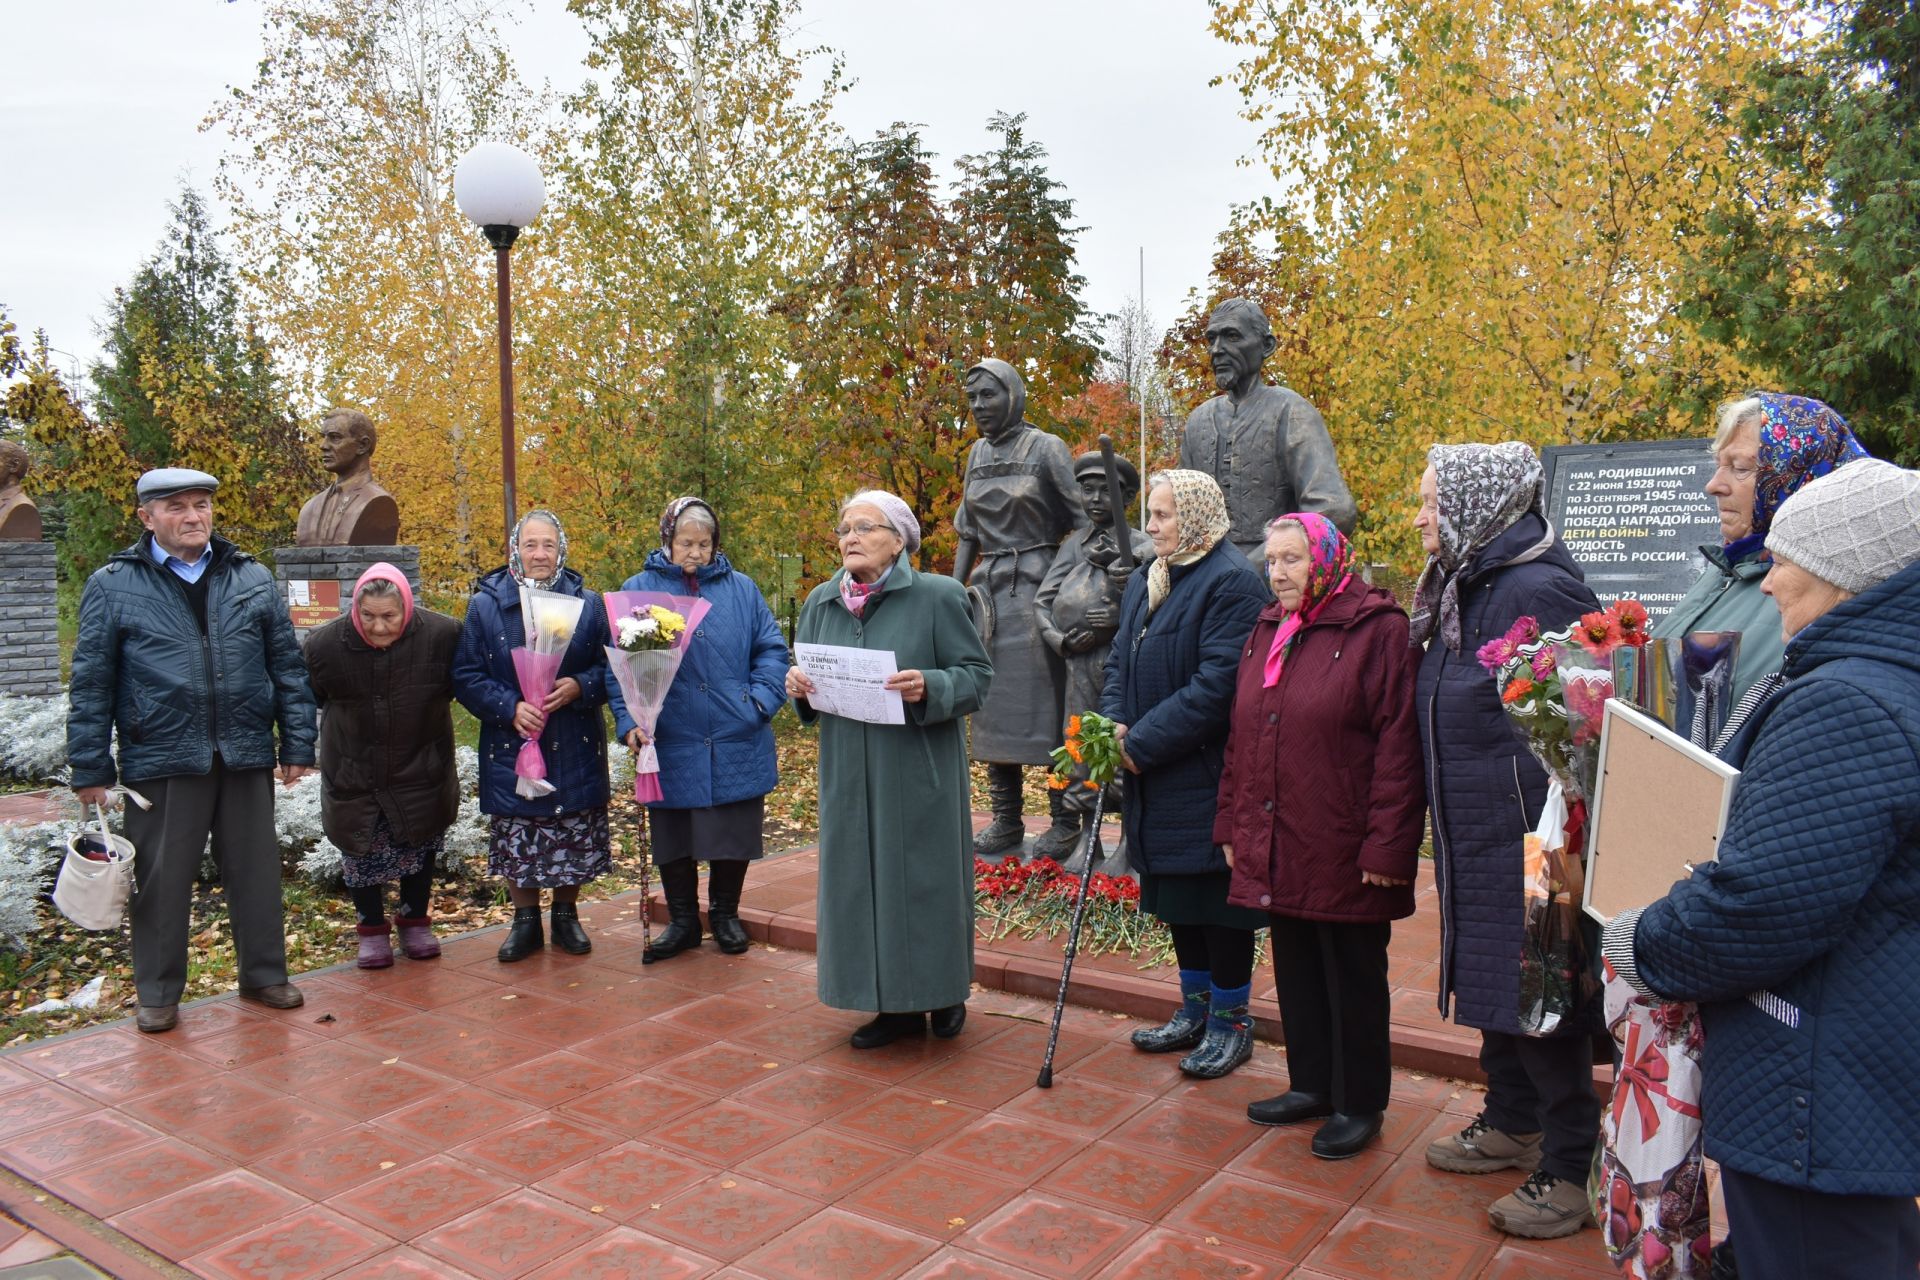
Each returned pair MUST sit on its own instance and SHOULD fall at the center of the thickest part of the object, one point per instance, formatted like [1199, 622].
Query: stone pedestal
[29, 620]
[316, 583]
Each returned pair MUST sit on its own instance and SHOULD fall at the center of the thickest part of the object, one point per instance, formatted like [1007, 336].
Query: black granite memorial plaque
[1634, 515]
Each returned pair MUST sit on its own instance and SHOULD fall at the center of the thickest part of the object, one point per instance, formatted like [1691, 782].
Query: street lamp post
[499, 188]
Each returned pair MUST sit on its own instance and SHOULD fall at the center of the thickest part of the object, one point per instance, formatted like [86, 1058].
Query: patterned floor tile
[377, 1090]
[251, 1042]
[150, 1071]
[71, 1055]
[414, 1200]
[220, 1208]
[626, 1254]
[1126, 1180]
[905, 1118]
[931, 1198]
[720, 1068]
[401, 1264]
[636, 1106]
[449, 1119]
[1082, 1106]
[1053, 1237]
[807, 1093]
[1230, 1093]
[1205, 1135]
[1002, 1146]
[484, 1051]
[303, 1246]
[729, 1216]
[1514, 1262]
[1171, 1255]
[1369, 1244]
[333, 1014]
[510, 1236]
[436, 988]
[1127, 1067]
[625, 1181]
[1256, 1215]
[720, 1017]
[572, 1022]
[794, 1036]
[1285, 1157]
[1410, 1190]
[134, 1177]
[535, 1147]
[246, 1137]
[959, 1264]
[295, 1073]
[553, 1080]
[501, 1005]
[78, 1141]
[640, 1046]
[1025, 1044]
[40, 1104]
[13, 1077]
[209, 1095]
[976, 1080]
[332, 1164]
[890, 1064]
[723, 1133]
[834, 1245]
[819, 1163]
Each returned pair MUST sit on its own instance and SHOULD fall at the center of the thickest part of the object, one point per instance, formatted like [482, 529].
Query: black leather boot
[567, 933]
[1229, 1042]
[1344, 1136]
[724, 879]
[1060, 841]
[1006, 832]
[680, 882]
[525, 937]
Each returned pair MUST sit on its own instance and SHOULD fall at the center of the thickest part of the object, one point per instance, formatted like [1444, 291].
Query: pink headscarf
[1332, 559]
[383, 572]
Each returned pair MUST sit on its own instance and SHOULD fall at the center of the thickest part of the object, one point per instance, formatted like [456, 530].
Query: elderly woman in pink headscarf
[382, 674]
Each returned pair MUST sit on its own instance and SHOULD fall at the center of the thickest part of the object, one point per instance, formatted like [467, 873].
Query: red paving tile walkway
[593, 1117]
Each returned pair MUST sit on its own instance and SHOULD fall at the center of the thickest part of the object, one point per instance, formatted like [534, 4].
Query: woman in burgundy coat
[1322, 809]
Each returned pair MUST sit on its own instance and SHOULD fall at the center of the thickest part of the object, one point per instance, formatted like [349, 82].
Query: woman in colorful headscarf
[895, 909]
[389, 786]
[561, 840]
[1322, 811]
[715, 732]
[1169, 690]
[1767, 446]
[1492, 558]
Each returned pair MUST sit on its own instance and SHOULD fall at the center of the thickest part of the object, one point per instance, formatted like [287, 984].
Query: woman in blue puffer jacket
[715, 734]
[1801, 942]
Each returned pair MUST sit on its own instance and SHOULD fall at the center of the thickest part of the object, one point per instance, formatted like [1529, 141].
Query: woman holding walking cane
[1322, 809]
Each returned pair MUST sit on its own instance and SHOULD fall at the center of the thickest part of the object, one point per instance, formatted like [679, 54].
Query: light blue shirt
[181, 569]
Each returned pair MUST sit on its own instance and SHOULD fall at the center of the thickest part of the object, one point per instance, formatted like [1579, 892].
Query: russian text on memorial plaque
[1634, 515]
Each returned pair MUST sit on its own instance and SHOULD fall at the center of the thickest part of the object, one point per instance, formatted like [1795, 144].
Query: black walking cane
[1073, 940]
[640, 834]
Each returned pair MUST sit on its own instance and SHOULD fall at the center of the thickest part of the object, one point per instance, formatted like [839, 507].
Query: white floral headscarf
[1482, 489]
[519, 570]
[1202, 511]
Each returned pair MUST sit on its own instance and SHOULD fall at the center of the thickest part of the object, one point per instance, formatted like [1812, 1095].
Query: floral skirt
[386, 859]
[550, 853]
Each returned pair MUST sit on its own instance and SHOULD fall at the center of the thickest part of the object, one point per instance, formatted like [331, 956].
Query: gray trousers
[235, 807]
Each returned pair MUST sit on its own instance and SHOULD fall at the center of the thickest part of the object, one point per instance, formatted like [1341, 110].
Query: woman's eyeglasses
[860, 528]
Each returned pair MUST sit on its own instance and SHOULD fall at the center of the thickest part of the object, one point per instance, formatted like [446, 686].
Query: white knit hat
[1855, 527]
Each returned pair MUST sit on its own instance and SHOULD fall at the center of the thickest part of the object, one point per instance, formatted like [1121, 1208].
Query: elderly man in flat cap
[186, 649]
[1265, 445]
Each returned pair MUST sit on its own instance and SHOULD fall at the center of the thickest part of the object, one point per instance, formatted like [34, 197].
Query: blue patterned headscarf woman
[1800, 439]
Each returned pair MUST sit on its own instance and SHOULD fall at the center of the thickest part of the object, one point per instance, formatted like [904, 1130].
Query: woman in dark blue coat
[715, 732]
[559, 841]
[1493, 558]
[1800, 943]
[1169, 688]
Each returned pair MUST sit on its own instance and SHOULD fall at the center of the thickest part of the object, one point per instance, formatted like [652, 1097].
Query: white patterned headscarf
[1482, 489]
[1202, 511]
[519, 570]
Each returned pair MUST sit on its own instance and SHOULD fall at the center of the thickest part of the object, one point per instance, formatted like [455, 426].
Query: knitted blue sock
[1195, 984]
[1224, 998]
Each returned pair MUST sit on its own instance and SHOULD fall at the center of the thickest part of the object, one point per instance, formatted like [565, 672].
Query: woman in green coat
[895, 911]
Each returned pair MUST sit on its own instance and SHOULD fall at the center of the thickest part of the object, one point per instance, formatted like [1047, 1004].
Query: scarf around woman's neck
[1482, 489]
[854, 595]
[1201, 509]
[1331, 572]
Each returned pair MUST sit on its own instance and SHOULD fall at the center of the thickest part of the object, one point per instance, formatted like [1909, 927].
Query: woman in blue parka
[715, 732]
[559, 841]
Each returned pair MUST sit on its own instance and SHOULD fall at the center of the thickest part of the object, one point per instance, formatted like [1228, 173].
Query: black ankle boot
[724, 879]
[525, 937]
[1229, 1042]
[567, 933]
[1006, 832]
[680, 882]
[1344, 1136]
[1060, 841]
[888, 1027]
[1182, 1031]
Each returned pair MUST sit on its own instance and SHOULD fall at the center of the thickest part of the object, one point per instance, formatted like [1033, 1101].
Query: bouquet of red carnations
[1554, 686]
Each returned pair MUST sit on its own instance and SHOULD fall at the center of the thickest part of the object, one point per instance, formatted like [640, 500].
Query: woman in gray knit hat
[1800, 943]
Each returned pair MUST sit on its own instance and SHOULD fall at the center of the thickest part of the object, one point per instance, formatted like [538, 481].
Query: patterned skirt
[550, 853]
[386, 859]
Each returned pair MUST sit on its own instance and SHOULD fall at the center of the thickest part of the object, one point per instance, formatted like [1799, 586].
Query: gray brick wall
[29, 619]
[342, 565]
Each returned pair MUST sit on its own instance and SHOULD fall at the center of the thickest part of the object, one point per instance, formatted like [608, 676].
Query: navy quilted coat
[575, 739]
[1170, 679]
[715, 734]
[1485, 788]
[1803, 941]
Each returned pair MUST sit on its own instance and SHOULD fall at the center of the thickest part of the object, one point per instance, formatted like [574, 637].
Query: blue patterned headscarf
[1800, 440]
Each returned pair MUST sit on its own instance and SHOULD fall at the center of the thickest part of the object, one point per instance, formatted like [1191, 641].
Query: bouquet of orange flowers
[1090, 757]
[1555, 686]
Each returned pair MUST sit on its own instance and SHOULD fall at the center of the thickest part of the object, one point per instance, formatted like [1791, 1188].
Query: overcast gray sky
[103, 103]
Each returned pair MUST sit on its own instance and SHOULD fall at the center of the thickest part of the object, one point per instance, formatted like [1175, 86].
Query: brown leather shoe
[281, 995]
[157, 1017]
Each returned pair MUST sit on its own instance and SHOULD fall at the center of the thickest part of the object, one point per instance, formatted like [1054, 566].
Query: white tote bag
[93, 891]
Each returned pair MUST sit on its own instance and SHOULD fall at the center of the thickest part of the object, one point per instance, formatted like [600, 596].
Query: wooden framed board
[1659, 807]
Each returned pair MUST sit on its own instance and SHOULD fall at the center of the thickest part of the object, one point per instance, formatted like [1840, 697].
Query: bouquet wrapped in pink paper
[549, 619]
[651, 630]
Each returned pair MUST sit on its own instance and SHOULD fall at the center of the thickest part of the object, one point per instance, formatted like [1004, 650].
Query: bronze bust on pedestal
[19, 518]
[353, 511]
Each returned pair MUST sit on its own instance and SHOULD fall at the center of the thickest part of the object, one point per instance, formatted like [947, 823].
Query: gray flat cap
[164, 482]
